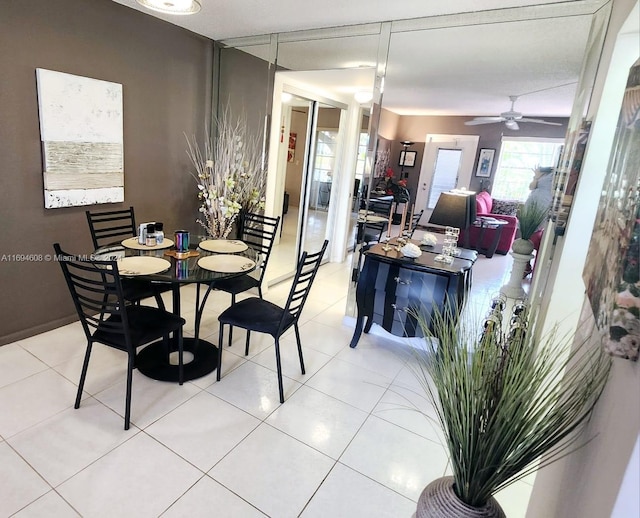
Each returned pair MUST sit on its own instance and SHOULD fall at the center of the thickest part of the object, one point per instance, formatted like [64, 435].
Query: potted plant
[530, 216]
[508, 404]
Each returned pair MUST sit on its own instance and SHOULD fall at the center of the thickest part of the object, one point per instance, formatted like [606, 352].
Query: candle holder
[400, 242]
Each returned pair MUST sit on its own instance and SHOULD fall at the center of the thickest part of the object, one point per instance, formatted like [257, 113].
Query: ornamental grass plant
[508, 404]
[530, 216]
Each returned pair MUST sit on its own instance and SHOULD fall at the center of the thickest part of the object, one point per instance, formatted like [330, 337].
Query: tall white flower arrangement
[230, 173]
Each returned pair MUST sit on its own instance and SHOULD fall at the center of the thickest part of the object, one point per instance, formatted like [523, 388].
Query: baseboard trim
[32, 331]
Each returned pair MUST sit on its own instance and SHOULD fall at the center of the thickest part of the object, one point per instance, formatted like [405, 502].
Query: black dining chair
[262, 316]
[411, 224]
[98, 296]
[111, 227]
[259, 232]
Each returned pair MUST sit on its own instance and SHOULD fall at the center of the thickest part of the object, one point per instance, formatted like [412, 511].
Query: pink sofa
[505, 211]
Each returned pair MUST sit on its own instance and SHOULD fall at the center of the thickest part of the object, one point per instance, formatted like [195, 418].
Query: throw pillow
[505, 207]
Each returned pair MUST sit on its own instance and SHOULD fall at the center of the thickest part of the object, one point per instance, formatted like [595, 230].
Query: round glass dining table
[201, 267]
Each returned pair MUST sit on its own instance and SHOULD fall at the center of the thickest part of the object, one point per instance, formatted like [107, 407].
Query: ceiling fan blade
[540, 121]
[512, 125]
[483, 120]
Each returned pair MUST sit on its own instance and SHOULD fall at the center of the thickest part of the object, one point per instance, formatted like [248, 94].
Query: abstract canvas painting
[81, 122]
[612, 270]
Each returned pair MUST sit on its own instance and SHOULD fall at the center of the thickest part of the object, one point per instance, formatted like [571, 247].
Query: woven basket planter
[438, 500]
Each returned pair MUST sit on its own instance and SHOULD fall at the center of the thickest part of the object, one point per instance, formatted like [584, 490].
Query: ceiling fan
[510, 118]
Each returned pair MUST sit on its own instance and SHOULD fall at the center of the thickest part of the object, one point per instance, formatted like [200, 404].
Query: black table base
[152, 361]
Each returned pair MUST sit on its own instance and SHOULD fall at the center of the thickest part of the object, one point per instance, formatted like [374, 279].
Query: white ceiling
[469, 70]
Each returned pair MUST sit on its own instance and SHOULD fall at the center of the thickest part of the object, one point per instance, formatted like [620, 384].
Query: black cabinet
[390, 285]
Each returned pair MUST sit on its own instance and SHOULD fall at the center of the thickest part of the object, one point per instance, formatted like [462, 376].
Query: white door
[452, 157]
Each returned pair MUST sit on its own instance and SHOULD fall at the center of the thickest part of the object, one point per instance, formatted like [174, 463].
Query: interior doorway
[447, 164]
[308, 163]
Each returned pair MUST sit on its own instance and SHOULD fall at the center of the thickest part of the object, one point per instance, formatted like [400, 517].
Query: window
[445, 174]
[518, 158]
[325, 155]
[363, 142]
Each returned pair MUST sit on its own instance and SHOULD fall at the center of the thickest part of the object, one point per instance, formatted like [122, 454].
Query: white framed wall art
[81, 129]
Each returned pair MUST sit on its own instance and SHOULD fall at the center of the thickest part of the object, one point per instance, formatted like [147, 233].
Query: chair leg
[279, 367]
[159, 300]
[233, 301]
[297, 331]
[180, 358]
[246, 344]
[127, 407]
[220, 347]
[83, 375]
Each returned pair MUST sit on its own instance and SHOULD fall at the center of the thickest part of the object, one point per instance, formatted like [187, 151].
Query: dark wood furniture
[391, 285]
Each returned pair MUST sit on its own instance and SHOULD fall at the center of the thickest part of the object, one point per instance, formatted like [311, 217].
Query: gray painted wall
[165, 72]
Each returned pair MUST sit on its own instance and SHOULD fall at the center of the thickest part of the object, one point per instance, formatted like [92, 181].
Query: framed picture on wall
[485, 162]
[407, 158]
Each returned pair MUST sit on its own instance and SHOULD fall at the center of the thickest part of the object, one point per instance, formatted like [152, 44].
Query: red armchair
[485, 205]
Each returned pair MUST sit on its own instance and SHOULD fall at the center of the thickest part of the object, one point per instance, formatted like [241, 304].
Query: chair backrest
[373, 231]
[381, 205]
[96, 291]
[305, 274]
[259, 232]
[111, 226]
[411, 225]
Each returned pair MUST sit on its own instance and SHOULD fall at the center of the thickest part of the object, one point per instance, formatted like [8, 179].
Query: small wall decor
[407, 158]
[291, 153]
[81, 123]
[612, 269]
[382, 159]
[485, 162]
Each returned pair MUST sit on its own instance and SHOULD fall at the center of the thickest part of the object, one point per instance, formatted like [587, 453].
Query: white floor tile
[150, 399]
[107, 366]
[514, 499]
[19, 483]
[384, 357]
[71, 440]
[318, 420]
[348, 493]
[290, 361]
[326, 339]
[406, 463]
[406, 404]
[274, 472]
[32, 400]
[208, 498]
[252, 388]
[57, 345]
[350, 383]
[16, 364]
[139, 478]
[51, 504]
[203, 429]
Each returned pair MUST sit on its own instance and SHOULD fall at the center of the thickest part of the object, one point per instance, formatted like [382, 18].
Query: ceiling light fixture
[180, 7]
[286, 97]
[363, 97]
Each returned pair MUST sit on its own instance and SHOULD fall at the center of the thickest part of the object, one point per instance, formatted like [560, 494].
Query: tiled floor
[344, 444]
